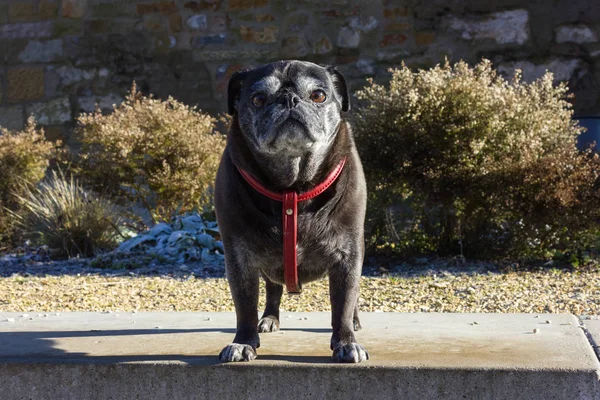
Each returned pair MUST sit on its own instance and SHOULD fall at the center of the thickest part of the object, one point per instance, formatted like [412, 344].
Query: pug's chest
[318, 244]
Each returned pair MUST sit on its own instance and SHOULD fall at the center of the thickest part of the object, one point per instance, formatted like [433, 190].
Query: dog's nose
[290, 99]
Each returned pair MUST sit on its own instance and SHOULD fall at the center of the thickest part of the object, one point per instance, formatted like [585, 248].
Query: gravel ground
[425, 286]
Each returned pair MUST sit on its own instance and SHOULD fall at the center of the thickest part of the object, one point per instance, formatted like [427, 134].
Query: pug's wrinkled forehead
[299, 76]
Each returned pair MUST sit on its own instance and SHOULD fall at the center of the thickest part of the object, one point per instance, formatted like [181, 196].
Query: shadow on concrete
[26, 347]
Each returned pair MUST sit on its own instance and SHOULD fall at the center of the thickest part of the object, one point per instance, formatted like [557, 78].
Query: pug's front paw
[350, 353]
[237, 352]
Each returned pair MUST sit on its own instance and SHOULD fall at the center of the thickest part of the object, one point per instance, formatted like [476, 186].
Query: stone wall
[61, 57]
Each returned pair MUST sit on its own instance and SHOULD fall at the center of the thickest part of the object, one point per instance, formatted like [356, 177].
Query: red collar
[290, 199]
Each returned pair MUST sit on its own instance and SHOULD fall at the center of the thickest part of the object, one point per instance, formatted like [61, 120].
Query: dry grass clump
[24, 158]
[480, 164]
[162, 155]
[68, 219]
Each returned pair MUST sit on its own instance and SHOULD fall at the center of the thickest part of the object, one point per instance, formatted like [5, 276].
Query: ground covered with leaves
[442, 286]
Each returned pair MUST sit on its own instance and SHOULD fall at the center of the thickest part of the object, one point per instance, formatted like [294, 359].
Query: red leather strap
[289, 215]
[323, 186]
[290, 231]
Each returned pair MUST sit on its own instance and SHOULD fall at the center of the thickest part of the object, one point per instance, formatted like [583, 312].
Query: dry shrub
[24, 158]
[71, 221]
[162, 155]
[488, 166]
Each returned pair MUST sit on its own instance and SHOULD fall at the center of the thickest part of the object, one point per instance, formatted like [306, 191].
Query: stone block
[163, 7]
[74, 8]
[348, 38]
[506, 28]
[201, 55]
[575, 34]
[25, 84]
[26, 30]
[11, 118]
[70, 75]
[323, 45]
[563, 69]
[42, 51]
[294, 47]
[197, 22]
[105, 103]
[200, 41]
[23, 11]
[363, 24]
[96, 26]
[204, 5]
[53, 112]
[268, 34]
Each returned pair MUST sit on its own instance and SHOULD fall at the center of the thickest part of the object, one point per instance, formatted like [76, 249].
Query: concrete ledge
[174, 356]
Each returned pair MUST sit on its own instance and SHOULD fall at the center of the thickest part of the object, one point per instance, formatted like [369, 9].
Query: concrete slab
[174, 355]
[592, 327]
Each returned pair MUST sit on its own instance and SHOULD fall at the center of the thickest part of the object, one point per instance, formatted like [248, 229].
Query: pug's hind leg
[355, 319]
[270, 319]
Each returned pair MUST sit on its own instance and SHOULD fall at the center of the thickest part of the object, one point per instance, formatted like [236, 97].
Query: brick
[392, 40]
[424, 38]
[163, 7]
[67, 27]
[203, 5]
[235, 5]
[219, 24]
[267, 34]
[175, 23]
[73, 8]
[3, 13]
[25, 84]
[55, 133]
[395, 12]
[264, 17]
[154, 23]
[23, 11]
[397, 26]
[48, 9]
[96, 26]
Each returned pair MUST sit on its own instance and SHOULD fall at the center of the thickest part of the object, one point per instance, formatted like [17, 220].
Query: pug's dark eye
[318, 96]
[259, 100]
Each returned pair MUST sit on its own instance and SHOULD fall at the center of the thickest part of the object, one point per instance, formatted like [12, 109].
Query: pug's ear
[233, 90]
[341, 87]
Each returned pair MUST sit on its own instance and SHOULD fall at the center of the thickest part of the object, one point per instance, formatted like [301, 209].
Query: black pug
[288, 142]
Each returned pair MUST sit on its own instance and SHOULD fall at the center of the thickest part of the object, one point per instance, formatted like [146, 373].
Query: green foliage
[162, 155]
[484, 166]
[24, 158]
[70, 220]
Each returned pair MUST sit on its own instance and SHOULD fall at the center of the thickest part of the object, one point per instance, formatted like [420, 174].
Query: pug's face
[290, 107]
